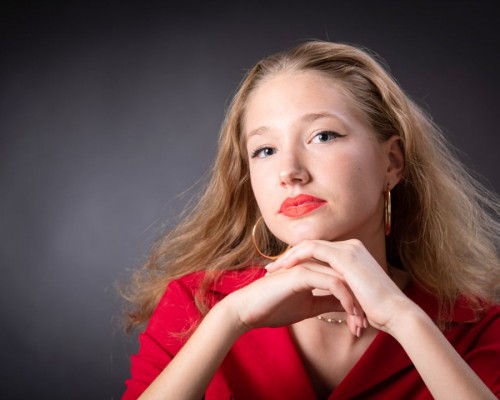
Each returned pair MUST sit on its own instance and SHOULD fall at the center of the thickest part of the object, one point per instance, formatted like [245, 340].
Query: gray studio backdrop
[109, 111]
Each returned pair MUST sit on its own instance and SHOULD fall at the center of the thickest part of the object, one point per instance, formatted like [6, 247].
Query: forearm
[445, 373]
[189, 373]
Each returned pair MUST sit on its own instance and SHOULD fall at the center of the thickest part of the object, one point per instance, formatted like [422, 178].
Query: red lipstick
[300, 205]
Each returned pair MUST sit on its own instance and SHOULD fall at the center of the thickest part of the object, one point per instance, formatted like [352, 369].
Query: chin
[299, 235]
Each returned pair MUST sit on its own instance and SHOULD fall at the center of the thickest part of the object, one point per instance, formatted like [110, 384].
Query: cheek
[369, 181]
[260, 187]
[361, 174]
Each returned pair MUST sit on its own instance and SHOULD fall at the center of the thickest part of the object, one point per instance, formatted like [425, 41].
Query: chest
[329, 352]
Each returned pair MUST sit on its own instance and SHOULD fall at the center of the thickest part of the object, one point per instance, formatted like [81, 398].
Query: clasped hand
[357, 283]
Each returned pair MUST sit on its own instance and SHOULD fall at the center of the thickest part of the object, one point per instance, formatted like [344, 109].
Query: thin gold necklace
[331, 320]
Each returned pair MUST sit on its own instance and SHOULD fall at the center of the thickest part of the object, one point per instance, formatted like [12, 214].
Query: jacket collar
[363, 375]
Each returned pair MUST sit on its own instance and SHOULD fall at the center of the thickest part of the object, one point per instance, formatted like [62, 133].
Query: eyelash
[258, 150]
[331, 136]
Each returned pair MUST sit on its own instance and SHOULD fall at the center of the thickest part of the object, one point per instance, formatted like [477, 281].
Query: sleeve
[483, 354]
[165, 334]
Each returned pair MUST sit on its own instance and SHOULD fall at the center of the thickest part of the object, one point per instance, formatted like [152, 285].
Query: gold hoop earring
[387, 211]
[254, 230]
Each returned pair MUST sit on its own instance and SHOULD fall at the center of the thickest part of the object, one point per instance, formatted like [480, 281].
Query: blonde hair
[445, 229]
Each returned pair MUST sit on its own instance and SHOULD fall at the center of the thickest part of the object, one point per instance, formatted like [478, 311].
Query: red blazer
[264, 363]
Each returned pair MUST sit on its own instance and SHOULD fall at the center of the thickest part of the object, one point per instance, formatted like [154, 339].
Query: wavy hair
[445, 230]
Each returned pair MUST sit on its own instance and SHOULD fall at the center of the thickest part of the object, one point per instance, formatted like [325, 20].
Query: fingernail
[358, 331]
[365, 323]
[270, 265]
[355, 311]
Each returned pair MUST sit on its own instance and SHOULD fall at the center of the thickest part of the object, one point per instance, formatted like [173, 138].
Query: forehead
[286, 94]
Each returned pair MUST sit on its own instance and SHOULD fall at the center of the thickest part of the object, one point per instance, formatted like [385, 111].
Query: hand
[351, 263]
[285, 297]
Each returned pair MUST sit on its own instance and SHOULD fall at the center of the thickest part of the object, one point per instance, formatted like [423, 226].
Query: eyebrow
[310, 117]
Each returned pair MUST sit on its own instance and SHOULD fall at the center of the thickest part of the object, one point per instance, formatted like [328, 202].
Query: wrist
[229, 316]
[408, 318]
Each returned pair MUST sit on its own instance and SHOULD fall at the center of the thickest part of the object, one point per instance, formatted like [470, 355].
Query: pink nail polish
[358, 331]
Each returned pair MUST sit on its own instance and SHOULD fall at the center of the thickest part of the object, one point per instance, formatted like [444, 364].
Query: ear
[395, 161]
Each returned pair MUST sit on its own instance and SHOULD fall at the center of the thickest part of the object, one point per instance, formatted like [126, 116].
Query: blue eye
[263, 152]
[325, 136]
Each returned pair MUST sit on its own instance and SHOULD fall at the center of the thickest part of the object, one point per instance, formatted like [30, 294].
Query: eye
[263, 152]
[325, 136]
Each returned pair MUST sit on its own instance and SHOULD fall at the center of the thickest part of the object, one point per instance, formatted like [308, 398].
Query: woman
[386, 283]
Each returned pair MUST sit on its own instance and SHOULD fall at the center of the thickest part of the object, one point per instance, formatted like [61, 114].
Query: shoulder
[181, 293]
[224, 282]
[461, 311]
[466, 328]
[478, 342]
[177, 310]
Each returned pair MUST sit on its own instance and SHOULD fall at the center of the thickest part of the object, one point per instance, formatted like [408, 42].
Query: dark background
[110, 110]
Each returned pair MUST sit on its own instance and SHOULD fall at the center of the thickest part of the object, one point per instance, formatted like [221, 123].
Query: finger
[313, 265]
[271, 267]
[353, 325]
[341, 298]
[339, 289]
[318, 250]
[303, 278]
[358, 311]
[280, 263]
[325, 304]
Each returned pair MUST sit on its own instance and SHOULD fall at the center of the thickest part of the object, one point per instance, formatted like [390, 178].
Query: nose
[293, 170]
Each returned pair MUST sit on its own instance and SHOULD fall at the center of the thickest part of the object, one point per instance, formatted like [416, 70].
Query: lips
[300, 205]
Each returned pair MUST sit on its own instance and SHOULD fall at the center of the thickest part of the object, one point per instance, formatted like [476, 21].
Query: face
[316, 169]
